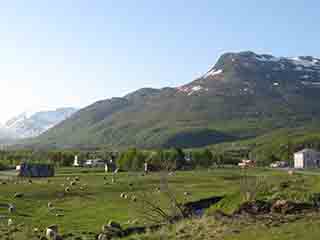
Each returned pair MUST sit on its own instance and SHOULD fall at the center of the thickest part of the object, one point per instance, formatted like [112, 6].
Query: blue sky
[72, 53]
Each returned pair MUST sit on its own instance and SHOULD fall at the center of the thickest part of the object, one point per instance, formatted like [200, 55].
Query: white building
[307, 158]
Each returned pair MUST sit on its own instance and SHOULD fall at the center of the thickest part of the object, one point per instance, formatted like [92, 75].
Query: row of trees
[172, 159]
[132, 159]
[58, 158]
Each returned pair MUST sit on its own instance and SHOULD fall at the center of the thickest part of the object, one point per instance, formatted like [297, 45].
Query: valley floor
[93, 200]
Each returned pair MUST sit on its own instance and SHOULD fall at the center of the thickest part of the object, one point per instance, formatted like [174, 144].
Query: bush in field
[2, 166]
[202, 158]
[132, 159]
[251, 187]
[174, 159]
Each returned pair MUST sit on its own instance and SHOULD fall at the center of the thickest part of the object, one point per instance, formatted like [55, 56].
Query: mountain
[26, 125]
[243, 95]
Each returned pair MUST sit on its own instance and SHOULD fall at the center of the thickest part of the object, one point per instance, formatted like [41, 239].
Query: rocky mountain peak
[31, 124]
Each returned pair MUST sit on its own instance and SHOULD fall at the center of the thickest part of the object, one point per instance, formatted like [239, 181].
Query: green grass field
[87, 209]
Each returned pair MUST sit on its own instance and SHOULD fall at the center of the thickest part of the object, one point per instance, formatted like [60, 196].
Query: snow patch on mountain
[32, 124]
[214, 72]
[265, 58]
[305, 61]
[311, 83]
[189, 90]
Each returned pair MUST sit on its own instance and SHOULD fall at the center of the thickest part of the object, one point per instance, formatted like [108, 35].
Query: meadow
[95, 198]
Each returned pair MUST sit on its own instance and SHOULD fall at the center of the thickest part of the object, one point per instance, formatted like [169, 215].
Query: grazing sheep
[52, 232]
[50, 205]
[122, 195]
[134, 198]
[114, 224]
[18, 195]
[10, 222]
[103, 236]
[67, 189]
[73, 183]
[186, 193]
[77, 179]
[11, 208]
[105, 228]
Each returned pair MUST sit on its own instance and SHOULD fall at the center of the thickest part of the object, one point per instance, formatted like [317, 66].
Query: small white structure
[307, 158]
[146, 169]
[76, 162]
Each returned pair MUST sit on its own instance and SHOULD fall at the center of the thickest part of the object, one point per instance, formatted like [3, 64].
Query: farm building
[307, 158]
[35, 170]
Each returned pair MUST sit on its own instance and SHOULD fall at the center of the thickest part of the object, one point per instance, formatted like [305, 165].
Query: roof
[305, 150]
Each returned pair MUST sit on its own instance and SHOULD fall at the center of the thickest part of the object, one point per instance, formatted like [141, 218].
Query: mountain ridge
[248, 92]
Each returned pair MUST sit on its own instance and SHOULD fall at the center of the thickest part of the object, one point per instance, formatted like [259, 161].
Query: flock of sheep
[51, 232]
[69, 185]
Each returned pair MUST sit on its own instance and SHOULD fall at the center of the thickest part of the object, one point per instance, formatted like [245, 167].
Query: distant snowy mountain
[27, 125]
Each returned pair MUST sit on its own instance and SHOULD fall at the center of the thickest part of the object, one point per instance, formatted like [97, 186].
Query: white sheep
[10, 222]
[50, 205]
[52, 232]
[11, 208]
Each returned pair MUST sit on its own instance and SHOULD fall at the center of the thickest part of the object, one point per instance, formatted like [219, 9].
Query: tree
[132, 159]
